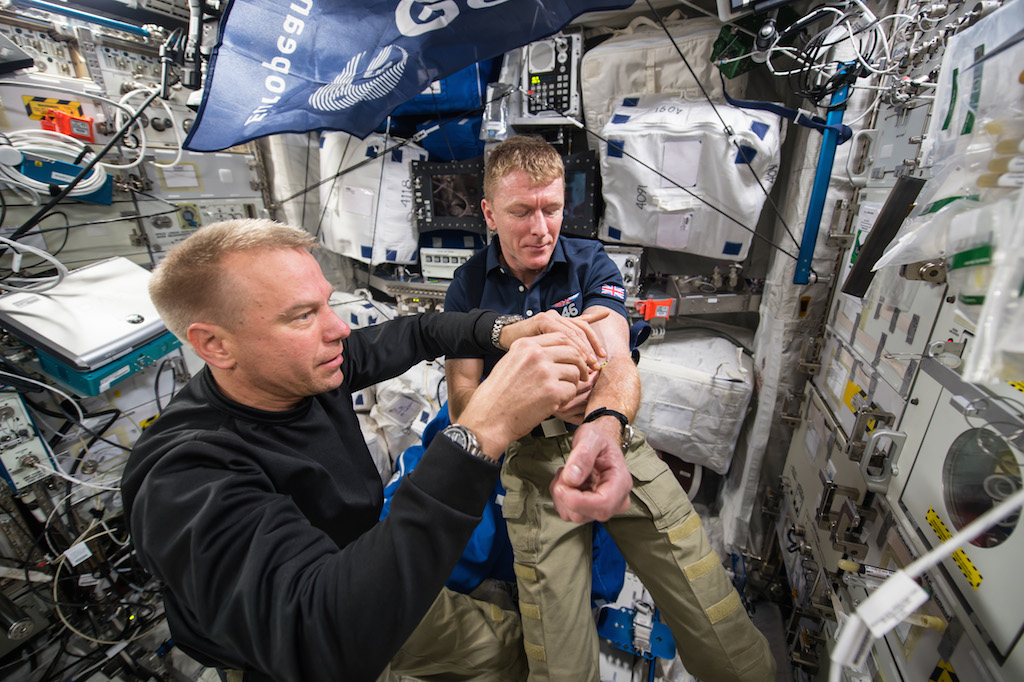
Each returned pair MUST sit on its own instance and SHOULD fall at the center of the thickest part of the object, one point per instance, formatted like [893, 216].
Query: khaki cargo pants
[664, 543]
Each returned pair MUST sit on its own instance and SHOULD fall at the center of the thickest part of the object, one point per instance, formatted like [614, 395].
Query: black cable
[688, 67]
[305, 176]
[73, 418]
[64, 228]
[388, 150]
[341, 172]
[156, 383]
[334, 180]
[65, 637]
[715, 332]
[692, 194]
[729, 132]
[66, 189]
[444, 133]
[27, 533]
[58, 675]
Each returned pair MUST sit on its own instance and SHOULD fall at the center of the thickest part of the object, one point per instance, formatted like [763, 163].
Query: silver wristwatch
[500, 323]
[465, 439]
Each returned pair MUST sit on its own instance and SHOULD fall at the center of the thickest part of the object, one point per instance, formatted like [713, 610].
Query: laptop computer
[97, 314]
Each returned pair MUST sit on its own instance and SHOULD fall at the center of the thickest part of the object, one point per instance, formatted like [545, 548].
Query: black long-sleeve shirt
[262, 526]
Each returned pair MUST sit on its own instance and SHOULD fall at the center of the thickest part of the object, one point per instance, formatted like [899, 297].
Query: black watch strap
[627, 428]
[606, 412]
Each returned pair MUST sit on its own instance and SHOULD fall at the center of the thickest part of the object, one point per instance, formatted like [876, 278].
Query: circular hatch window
[980, 471]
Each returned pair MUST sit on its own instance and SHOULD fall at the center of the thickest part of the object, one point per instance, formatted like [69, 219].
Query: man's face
[527, 218]
[286, 343]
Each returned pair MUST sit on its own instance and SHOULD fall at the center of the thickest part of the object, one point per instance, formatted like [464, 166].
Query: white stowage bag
[696, 389]
[368, 212]
[641, 60]
[669, 171]
[403, 406]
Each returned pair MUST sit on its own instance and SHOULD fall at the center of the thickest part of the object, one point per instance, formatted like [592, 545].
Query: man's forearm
[617, 388]
[458, 398]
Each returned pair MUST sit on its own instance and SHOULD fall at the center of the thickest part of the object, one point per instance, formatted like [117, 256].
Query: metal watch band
[500, 323]
[465, 439]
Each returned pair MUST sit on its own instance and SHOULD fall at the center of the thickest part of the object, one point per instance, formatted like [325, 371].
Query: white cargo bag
[696, 389]
[641, 60]
[666, 160]
[368, 211]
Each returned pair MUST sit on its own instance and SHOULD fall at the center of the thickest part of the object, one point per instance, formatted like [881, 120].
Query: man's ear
[208, 340]
[488, 211]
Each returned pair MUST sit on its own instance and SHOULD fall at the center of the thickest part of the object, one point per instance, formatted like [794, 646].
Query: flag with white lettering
[299, 65]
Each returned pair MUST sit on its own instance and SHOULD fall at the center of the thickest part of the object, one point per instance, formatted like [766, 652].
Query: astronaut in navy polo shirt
[530, 268]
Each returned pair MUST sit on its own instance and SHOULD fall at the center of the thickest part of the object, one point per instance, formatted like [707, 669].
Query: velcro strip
[535, 651]
[717, 612]
[684, 529]
[525, 572]
[529, 610]
[702, 566]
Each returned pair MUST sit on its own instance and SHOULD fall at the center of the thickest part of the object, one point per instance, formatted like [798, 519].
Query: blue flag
[298, 65]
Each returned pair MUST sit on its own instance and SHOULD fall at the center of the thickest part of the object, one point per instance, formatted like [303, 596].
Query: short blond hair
[189, 285]
[526, 153]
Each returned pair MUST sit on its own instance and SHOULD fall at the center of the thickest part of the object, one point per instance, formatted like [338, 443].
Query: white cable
[174, 126]
[56, 600]
[856, 636]
[45, 283]
[48, 387]
[55, 146]
[969, 532]
[137, 126]
[57, 88]
[67, 477]
[49, 520]
[143, 139]
[13, 181]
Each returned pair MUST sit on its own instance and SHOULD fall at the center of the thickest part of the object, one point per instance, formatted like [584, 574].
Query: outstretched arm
[595, 482]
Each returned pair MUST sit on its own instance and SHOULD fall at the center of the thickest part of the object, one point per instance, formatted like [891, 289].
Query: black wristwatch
[627, 428]
[465, 439]
[500, 323]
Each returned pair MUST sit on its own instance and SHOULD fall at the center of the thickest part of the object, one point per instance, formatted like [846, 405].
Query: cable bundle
[53, 146]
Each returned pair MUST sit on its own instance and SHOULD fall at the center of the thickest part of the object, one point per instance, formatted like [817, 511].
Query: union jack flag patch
[566, 301]
[613, 291]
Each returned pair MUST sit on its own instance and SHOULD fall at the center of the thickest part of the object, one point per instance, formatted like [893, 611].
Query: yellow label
[959, 556]
[943, 673]
[36, 107]
[1019, 385]
[851, 392]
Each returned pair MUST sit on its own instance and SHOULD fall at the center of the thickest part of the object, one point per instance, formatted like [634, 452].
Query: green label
[972, 109]
[937, 206]
[952, 100]
[979, 255]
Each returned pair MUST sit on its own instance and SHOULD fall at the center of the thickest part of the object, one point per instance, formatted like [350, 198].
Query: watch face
[457, 435]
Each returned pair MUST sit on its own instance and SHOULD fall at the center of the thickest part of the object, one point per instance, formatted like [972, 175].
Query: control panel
[551, 76]
[23, 454]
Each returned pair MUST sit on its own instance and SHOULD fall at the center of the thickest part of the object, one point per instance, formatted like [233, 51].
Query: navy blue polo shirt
[579, 275]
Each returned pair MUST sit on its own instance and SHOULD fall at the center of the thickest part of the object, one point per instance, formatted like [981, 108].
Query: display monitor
[447, 195]
[581, 195]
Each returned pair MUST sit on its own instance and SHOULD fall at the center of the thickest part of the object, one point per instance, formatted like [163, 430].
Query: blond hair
[531, 155]
[189, 285]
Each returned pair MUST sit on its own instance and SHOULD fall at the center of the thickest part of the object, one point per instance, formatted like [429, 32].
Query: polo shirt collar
[493, 263]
